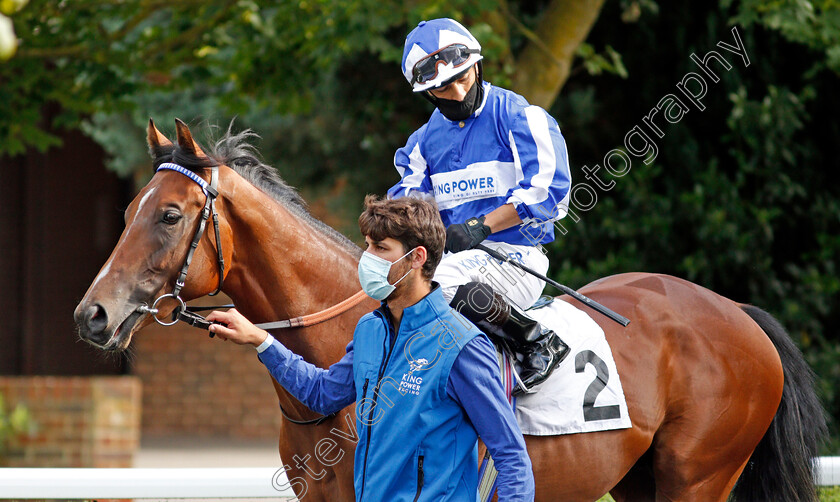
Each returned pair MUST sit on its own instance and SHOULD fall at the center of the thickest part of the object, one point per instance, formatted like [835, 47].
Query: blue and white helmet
[436, 51]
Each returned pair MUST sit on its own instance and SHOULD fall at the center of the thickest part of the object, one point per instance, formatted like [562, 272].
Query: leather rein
[189, 315]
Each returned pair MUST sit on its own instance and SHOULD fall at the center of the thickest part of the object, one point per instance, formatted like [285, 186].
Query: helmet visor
[427, 68]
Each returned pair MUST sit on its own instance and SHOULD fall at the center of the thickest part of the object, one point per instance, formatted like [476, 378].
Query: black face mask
[460, 110]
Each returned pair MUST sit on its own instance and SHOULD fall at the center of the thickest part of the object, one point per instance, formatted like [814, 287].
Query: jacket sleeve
[475, 384]
[542, 166]
[322, 390]
[413, 169]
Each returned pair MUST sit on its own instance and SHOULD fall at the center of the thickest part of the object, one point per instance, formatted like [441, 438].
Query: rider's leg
[517, 288]
[520, 288]
[503, 321]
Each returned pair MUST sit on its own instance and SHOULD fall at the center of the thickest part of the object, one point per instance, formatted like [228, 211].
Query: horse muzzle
[96, 327]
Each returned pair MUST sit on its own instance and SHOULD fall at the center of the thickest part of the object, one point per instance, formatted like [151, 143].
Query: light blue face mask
[373, 274]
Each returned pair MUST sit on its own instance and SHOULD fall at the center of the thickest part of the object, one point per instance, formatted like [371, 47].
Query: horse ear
[185, 139]
[155, 138]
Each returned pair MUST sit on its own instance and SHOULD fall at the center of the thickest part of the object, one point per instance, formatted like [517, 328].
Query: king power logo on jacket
[465, 188]
[410, 383]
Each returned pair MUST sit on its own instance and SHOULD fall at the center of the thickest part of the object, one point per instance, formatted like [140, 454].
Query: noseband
[189, 314]
[210, 192]
[183, 313]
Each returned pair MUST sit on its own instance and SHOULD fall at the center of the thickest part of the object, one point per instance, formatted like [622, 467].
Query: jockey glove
[467, 235]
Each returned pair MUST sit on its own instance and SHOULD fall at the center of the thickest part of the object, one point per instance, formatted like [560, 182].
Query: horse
[720, 398]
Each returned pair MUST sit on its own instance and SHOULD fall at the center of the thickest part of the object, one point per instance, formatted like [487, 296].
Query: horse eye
[171, 217]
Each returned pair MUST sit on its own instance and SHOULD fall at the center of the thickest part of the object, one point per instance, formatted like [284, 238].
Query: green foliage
[829, 493]
[741, 197]
[815, 24]
[12, 422]
[84, 58]
[77, 58]
[595, 63]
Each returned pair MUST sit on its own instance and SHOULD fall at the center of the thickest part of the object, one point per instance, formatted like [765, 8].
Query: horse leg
[318, 459]
[691, 482]
[638, 485]
[699, 454]
[583, 467]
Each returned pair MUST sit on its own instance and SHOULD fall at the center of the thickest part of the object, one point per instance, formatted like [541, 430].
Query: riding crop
[569, 291]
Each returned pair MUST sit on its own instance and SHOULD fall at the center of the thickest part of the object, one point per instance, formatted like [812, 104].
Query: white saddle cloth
[583, 394]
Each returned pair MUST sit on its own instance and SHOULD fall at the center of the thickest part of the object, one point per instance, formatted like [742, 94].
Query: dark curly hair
[411, 221]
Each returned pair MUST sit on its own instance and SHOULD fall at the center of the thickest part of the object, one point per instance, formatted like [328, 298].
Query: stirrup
[557, 355]
[520, 387]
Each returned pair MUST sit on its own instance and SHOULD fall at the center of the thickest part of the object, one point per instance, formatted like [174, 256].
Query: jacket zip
[367, 445]
[386, 356]
[420, 477]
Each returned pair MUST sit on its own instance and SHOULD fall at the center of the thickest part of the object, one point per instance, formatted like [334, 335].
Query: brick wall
[197, 386]
[77, 421]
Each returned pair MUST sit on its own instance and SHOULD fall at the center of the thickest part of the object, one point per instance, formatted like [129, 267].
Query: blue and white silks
[507, 152]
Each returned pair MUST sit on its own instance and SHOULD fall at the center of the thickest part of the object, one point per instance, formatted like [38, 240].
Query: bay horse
[716, 390]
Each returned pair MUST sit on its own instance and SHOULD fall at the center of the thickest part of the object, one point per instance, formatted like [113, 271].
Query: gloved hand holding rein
[467, 235]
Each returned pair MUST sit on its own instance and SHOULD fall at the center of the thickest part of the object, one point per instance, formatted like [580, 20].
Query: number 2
[591, 412]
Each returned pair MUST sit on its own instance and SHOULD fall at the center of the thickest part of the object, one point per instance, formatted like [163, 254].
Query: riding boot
[542, 350]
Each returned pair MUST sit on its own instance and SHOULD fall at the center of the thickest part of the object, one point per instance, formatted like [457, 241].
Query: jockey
[499, 171]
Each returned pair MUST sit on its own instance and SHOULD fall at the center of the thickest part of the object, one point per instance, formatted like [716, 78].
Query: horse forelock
[235, 151]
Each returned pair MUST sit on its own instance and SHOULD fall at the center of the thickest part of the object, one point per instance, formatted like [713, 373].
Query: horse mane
[234, 151]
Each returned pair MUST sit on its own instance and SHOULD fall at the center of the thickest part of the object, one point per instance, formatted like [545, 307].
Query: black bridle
[182, 312]
[211, 191]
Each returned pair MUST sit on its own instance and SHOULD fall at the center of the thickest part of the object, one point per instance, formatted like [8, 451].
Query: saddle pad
[583, 393]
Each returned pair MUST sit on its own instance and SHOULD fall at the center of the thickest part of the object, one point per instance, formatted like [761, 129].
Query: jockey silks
[506, 152]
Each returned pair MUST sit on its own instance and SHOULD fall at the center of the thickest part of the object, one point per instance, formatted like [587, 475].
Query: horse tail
[781, 467]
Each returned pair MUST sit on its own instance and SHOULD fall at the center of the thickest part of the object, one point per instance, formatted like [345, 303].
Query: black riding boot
[503, 322]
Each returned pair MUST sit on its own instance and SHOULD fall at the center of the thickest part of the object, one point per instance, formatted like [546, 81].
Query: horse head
[162, 222]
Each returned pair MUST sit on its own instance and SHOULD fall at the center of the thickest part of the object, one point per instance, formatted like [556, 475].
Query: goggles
[427, 68]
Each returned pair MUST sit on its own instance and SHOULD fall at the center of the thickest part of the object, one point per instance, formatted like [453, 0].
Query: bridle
[182, 313]
[189, 315]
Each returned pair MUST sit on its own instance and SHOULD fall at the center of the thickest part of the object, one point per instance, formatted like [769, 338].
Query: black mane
[234, 151]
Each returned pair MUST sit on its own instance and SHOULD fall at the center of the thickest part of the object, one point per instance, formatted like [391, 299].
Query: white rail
[828, 471]
[246, 482]
[140, 483]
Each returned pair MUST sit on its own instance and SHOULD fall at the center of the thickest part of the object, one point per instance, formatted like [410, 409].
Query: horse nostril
[96, 320]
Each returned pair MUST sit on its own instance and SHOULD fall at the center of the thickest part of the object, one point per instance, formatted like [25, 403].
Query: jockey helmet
[438, 51]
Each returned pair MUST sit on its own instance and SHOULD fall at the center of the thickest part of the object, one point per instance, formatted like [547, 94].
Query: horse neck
[285, 266]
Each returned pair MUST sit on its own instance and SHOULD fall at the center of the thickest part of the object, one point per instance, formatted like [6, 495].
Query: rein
[189, 315]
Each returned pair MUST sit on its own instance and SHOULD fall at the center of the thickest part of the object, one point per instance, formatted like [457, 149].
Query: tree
[738, 197]
[95, 57]
[544, 64]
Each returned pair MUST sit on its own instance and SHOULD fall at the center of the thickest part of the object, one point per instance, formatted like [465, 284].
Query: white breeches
[520, 287]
